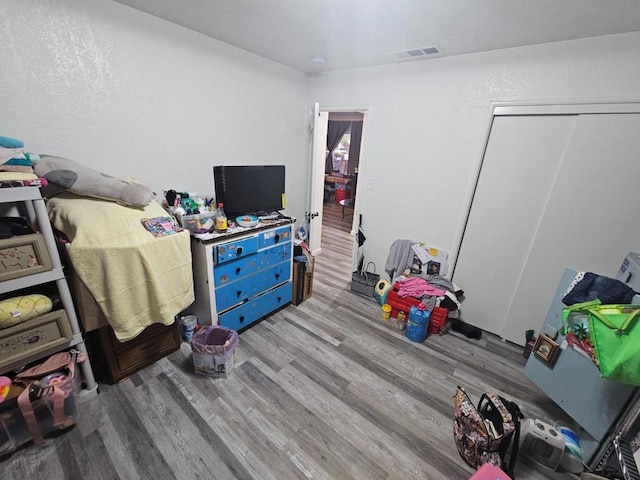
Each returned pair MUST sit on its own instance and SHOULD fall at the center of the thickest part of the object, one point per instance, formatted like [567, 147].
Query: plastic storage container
[418, 321]
[198, 223]
[399, 303]
[188, 323]
[15, 432]
[437, 319]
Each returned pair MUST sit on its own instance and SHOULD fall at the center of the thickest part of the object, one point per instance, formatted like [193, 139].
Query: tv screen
[249, 189]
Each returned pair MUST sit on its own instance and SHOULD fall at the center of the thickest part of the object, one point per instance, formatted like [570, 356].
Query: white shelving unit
[36, 211]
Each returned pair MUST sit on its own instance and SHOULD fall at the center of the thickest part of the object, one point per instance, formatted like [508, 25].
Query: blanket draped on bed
[136, 279]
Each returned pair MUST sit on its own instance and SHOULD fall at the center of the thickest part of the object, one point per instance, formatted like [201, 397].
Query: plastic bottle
[221, 219]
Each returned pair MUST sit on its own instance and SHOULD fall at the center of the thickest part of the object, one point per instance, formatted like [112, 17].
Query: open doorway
[338, 162]
[342, 162]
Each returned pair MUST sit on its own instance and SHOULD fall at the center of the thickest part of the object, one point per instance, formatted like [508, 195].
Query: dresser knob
[238, 270]
[238, 293]
[238, 251]
[276, 239]
[242, 319]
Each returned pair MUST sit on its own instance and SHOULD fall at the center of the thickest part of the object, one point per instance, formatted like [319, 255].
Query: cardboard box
[302, 276]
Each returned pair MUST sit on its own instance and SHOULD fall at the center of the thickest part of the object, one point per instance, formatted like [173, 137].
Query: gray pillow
[82, 180]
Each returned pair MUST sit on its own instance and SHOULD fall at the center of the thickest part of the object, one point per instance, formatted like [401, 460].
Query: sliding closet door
[520, 164]
[591, 220]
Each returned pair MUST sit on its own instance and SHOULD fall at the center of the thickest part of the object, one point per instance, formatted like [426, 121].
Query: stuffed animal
[25, 307]
[82, 180]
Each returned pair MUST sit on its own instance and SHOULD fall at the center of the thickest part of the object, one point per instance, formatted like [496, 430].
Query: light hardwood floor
[324, 390]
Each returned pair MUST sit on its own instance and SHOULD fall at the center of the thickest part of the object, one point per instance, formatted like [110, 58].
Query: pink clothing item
[418, 287]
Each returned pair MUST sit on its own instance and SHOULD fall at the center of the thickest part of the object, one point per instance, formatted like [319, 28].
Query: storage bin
[399, 304]
[437, 320]
[14, 431]
[23, 255]
[214, 349]
[198, 223]
[25, 341]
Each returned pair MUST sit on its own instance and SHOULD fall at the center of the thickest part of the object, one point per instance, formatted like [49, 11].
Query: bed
[135, 278]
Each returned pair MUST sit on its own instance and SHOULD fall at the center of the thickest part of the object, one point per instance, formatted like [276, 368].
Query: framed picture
[546, 349]
[23, 255]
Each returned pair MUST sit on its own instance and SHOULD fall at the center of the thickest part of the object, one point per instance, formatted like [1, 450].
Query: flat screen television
[249, 189]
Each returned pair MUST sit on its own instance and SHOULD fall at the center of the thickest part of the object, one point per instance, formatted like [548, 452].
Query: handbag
[364, 281]
[614, 333]
[484, 434]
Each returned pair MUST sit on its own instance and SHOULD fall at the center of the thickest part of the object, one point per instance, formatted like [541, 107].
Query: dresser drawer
[244, 315]
[141, 352]
[118, 360]
[230, 272]
[275, 236]
[252, 285]
[230, 251]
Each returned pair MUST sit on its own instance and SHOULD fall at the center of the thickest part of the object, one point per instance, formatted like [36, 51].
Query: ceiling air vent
[416, 53]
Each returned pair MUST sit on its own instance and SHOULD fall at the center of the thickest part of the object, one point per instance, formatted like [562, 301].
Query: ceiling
[315, 36]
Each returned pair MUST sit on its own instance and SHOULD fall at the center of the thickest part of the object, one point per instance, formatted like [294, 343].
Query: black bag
[364, 282]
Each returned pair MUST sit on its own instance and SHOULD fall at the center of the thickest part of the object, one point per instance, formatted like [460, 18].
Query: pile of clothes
[16, 165]
[417, 280]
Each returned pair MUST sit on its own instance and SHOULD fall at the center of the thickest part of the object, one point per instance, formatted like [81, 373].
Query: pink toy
[489, 472]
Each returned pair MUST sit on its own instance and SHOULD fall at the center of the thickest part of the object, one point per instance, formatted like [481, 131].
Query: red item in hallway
[400, 304]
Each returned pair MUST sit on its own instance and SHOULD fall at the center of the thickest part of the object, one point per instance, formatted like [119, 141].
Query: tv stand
[242, 277]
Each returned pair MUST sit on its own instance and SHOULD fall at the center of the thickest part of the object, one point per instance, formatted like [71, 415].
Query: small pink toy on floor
[489, 472]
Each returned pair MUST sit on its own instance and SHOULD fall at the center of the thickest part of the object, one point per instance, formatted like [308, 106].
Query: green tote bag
[614, 332]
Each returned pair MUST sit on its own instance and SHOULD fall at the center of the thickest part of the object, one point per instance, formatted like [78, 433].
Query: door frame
[317, 181]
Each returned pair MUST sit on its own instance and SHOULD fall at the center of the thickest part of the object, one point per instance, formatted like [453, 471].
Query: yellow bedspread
[136, 279]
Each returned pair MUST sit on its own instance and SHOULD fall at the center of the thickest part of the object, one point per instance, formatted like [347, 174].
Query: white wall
[428, 124]
[132, 95]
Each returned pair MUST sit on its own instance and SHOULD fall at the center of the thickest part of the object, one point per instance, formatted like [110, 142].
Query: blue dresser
[241, 278]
